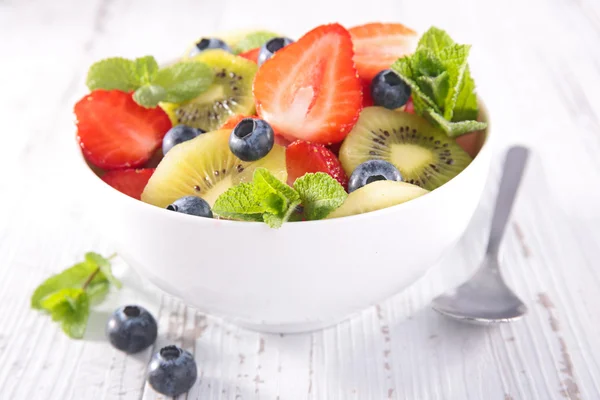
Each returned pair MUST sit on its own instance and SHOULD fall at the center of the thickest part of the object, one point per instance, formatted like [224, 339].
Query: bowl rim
[483, 115]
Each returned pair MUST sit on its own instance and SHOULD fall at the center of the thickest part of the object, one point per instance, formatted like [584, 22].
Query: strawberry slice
[232, 121]
[129, 181]
[366, 88]
[115, 132]
[377, 46]
[409, 107]
[251, 55]
[309, 90]
[304, 157]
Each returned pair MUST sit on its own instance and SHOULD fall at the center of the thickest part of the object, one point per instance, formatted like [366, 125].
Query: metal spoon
[485, 298]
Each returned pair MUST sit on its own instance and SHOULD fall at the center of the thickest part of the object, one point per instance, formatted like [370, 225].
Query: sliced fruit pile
[261, 127]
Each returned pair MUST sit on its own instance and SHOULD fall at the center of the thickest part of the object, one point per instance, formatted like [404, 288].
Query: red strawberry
[377, 46]
[115, 132]
[232, 121]
[366, 88]
[129, 181]
[409, 107]
[251, 55]
[309, 90]
[304, 157]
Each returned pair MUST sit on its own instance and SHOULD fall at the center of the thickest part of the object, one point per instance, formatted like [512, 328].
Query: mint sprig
[68, 295]
[271, 201]
[442, 87]
[320, 194]
[174, 84]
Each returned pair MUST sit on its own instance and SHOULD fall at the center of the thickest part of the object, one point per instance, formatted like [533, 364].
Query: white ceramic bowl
[303, 276]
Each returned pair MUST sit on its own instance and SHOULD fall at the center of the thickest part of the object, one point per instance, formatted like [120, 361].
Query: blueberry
[208, 44]
[268, 49]
[179, 134]
[131, 329]
[172, 371]
[371, 171]
[389, 90]
[191, 205]
[251, 139]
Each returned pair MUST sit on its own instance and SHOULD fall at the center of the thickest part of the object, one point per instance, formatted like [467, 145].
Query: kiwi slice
[423, 154]
[205, 167]
[229, 94]
[377, 195]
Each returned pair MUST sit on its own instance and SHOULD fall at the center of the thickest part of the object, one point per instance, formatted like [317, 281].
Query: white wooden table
[537, 64]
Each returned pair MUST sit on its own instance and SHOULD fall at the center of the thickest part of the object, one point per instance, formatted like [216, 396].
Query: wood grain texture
[537, 64]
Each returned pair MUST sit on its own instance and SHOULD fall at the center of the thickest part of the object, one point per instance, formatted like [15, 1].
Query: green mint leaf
[442, 87]
[253, 40]
[146, 69]
[435, 40]
[149, 96]
[466, 107]
[405, 71]
[104, 266]
[280, 200]
[320, 194]
[454, 129]
[239, 201]
[71, 307]
[73, 277]
[455, 60]
[115, 73]
[97, 291]
[267, 184]
[184, 81]
[435, 88]
[264, 199]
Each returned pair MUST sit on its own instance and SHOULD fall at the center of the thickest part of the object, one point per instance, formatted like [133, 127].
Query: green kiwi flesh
[423, 154]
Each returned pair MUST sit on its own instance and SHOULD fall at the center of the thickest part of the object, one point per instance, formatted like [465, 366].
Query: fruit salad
[263, 127]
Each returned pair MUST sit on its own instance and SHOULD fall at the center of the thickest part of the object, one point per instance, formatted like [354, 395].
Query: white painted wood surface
[537, 64]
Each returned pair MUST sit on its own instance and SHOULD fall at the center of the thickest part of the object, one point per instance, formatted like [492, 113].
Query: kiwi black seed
[424, 155]
[229, 94]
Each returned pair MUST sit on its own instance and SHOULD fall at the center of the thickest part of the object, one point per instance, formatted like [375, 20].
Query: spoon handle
[514, 165]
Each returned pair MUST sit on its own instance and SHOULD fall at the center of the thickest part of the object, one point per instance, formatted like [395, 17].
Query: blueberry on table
[192, 205]
[389, 90]
[270, 47]
[251, 139]
[172, 371]
[179, 134]
[209, 44]
[131, 329]
[371, 171]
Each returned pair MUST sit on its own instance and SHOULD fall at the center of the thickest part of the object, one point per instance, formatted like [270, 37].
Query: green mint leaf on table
[70, 307]
[103, 265]
[67, 296]
[442, 88]
[73, 277]
[184, 81]
[253, 40]
[320, 194]
[114, 73]
[149, 95]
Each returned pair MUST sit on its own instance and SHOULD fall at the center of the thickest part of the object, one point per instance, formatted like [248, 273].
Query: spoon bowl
[485, 298]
